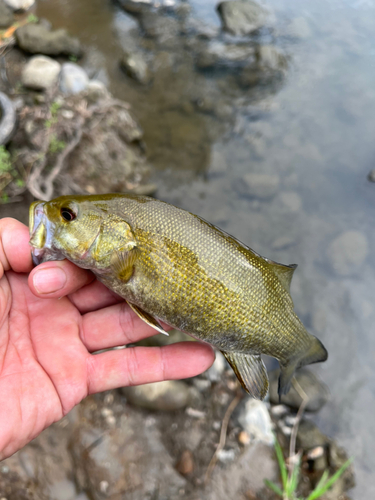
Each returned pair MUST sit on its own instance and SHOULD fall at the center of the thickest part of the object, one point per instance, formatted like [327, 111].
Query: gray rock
[40, 73]
[309, 436]
[163, 396]
[241, 17]
[256, 421]
[63, 490]
[268, 57]
[8, 119]
[38, 39]
[96, 90]
[73, 79]
[371, 175]
[19, 4]
[316, 391]
[155, 25]
[6, 15]
[136, 67]
[348, 252]
[261, 185]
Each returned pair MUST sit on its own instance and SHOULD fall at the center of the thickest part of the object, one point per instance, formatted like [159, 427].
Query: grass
[55, 145]
[53, 109]
[5, 161]
[290, 479]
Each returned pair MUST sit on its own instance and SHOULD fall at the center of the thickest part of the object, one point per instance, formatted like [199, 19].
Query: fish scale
[173, 266]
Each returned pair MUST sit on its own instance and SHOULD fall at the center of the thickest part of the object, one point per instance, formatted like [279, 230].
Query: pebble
[40, 73]
[255, 420]
[6, 15]
[241, 18]
[96, 90]
[279, 411]
[136, 67]
[19, 4]
[348, 252]
[316, 391]
[226, 455]
[73, 79]
[167, 395]
[244, 438]
[185, 465]
[371, 175]
[261, 186]
[62, 490]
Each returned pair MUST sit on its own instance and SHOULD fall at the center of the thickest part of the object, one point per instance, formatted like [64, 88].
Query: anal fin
[250, 371]
[147, 318]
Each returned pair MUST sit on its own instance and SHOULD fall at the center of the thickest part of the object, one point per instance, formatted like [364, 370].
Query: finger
[14, 246]
[141, 365]
[113, 326]
[57, 279]
[94, 296]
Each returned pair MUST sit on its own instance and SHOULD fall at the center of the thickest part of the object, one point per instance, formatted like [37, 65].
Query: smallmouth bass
[173, 266]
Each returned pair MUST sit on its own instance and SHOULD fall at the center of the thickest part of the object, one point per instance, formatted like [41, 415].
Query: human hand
[50, 323]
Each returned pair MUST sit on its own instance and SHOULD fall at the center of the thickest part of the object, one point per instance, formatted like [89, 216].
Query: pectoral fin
[250, 371]
[122, 262]
[147, 318]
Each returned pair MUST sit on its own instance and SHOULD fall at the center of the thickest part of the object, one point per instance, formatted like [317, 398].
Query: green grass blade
[273, 487]
[283, 469]
[323, 488]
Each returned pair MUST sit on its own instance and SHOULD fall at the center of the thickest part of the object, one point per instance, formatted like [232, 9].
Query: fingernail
[49, 280]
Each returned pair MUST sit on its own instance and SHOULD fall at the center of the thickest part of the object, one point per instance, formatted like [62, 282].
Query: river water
[312, 131]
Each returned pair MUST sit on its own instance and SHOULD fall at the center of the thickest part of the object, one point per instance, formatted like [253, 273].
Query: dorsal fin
[284, 273]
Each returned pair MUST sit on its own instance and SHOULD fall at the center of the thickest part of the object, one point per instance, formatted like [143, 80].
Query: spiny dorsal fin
[250, 371]
[122, 262]
[147, 318]
[284, 273]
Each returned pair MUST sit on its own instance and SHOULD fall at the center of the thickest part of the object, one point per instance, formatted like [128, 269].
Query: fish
[174, 267]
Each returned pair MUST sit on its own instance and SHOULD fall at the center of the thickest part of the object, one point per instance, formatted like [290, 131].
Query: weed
[5, 163]
[290, 480]
[53, 109]
[55, 146]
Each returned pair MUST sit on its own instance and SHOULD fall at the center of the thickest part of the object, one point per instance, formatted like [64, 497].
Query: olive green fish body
[173, 266]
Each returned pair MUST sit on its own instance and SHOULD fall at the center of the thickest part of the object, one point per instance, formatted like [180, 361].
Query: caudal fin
[315, 354]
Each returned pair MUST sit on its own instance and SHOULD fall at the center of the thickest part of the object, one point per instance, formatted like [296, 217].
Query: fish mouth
[42, 232]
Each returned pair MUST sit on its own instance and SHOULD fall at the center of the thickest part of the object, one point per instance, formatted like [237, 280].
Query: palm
[46, 365]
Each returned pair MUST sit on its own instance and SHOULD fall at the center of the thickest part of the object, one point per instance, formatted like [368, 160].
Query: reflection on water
[314, 139]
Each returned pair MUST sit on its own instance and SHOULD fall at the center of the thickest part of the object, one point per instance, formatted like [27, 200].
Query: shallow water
[314, 130]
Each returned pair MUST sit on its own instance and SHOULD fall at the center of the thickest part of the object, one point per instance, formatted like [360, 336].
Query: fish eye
[67, 214]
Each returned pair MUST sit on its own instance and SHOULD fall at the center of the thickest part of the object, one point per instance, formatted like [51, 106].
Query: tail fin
[315, 354]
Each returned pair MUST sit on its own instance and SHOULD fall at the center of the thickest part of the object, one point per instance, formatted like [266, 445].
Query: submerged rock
[6, 15]
[316, 391]
[73, 79]
[136, 67]
[40, 73]
[159, 26]
[268, 57]
[371, 175]
[168, 395]
[241, 17]
[348, 252]
[38, 39]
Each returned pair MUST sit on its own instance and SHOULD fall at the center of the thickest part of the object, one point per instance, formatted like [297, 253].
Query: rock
[6, 15]
[136, 67]
[261, 186]
[348, 252]
[256, 421]
[185, 465]
[268, 57]
[19, 4]
[136, 6]
[168, 395]
[8, 119]
[40, 73]
[371, 175]
[73, 79]
[159, 26]
[316, 391]
[63, 490]
[309, 436]
[215, 372]
[241, 17]
[38, 39]
[96, 90]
